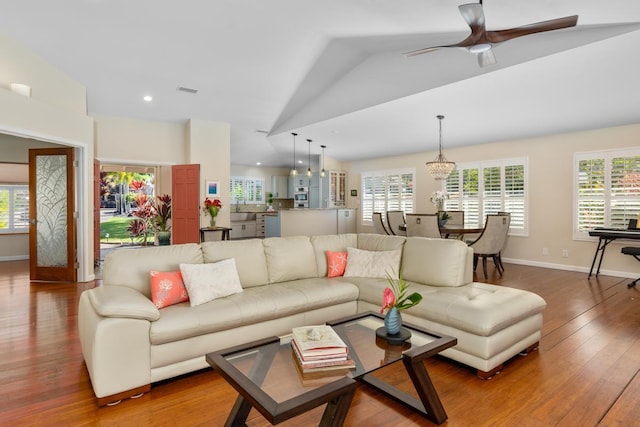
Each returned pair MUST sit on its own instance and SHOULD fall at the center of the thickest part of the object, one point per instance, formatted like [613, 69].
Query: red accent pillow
[336, 263]
[167, 288]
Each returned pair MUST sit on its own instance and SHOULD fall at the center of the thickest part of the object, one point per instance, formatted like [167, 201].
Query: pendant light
[322, 172]
[294, 171]
[440, 168]
[309, 160]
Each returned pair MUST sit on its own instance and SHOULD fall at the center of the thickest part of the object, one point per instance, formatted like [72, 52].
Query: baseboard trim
[581, 269]
[14, 258]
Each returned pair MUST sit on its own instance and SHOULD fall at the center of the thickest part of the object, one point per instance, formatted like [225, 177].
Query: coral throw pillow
[167, 288]
[336, 263]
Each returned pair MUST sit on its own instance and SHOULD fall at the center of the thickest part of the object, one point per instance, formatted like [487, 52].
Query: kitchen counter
[310, 222]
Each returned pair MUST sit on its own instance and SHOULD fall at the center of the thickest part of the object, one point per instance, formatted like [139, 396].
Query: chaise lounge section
[128, 343]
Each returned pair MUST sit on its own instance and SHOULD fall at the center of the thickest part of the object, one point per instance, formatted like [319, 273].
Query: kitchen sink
[243, 216]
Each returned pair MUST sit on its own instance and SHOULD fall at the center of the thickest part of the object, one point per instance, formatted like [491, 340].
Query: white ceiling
[333, 70]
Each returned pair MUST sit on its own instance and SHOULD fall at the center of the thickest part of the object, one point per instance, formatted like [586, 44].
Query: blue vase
[393, 321]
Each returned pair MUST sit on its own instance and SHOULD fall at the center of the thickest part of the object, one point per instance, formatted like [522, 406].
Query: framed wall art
[212, 188]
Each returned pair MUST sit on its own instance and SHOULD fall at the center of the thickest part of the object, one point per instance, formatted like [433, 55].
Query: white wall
[55, 113]
[550, 193]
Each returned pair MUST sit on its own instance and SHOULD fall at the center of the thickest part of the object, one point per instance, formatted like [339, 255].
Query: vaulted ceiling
[334, 71]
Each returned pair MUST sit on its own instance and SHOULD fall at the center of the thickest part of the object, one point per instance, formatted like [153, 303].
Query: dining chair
[491, 242]
[423, 225]
[394, 220]
[500, 253]
[378, 224]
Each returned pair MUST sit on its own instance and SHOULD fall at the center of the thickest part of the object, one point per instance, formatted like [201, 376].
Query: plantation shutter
[514, 195]
[386, 191]
[625, 190]
[470, 198]
[492, 188]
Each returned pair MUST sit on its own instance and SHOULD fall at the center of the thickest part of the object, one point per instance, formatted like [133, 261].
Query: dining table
[452, 229]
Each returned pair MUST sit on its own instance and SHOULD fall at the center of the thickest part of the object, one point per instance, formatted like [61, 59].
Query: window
[14, 208]
[606, 190]
[486, 188]
[247, 189]
[384, 191]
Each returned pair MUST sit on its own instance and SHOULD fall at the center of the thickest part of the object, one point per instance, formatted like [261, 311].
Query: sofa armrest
[122, 301]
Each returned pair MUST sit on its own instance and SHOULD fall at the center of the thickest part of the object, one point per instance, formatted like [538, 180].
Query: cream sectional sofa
[128, 343]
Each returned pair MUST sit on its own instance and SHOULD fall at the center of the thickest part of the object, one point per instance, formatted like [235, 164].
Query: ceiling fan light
[480, 48]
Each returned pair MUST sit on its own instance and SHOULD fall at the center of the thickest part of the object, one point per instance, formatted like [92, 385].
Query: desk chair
[634, 252]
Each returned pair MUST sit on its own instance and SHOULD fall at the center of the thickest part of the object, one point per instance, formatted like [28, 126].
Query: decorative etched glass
[51, 210]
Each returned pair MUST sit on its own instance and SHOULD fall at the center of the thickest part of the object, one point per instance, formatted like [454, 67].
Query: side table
[224, 230]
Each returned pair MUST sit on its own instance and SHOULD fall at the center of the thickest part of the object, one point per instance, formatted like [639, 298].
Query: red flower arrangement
[212, 207]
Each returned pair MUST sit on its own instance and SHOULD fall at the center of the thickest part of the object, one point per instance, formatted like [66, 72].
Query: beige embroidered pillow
[372, 264]
[208, 281]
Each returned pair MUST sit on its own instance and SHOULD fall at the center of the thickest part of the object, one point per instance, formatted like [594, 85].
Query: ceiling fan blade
[421, 51]
[538, 27]
[472, 14]
[486, 58]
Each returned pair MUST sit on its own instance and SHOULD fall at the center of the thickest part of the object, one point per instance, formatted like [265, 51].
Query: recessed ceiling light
[148, 98]
[258, 163]
[300, 161]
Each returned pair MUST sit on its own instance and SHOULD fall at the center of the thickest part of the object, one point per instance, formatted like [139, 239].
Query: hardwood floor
[585, 373]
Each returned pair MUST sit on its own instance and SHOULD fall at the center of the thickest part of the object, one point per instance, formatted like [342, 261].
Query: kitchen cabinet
[346, 221]
[242, 229]
[300, 180]
[334, 190]
[280, 187]
[260, 225]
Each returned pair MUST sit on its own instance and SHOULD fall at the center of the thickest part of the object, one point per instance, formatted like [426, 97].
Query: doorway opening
[120, 187]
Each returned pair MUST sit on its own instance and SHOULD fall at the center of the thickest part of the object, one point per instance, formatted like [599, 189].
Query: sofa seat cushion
[477, 308]
[255, 304]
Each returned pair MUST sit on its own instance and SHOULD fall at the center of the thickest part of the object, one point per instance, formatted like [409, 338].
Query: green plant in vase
[395, 299]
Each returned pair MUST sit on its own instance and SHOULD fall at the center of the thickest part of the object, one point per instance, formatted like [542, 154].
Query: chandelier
[440, 168]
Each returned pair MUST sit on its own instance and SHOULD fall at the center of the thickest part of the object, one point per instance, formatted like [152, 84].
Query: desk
[606, 236]
[224, 230]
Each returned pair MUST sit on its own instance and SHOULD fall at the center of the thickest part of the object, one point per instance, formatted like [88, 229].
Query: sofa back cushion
[131, 267]
[437, 262]
[248, 254]
[333, 243]
[379, 242]
[290, 258]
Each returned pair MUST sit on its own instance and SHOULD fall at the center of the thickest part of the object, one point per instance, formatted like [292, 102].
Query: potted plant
[212, 207]
[161, 218]
[142, 224]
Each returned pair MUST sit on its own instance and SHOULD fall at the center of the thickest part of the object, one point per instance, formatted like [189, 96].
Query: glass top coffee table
[265, 375]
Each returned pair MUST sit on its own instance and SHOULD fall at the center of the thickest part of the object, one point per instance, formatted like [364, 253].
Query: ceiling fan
[481, 41]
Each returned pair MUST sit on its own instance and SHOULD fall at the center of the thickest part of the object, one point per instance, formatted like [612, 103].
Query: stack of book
[319, 351]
